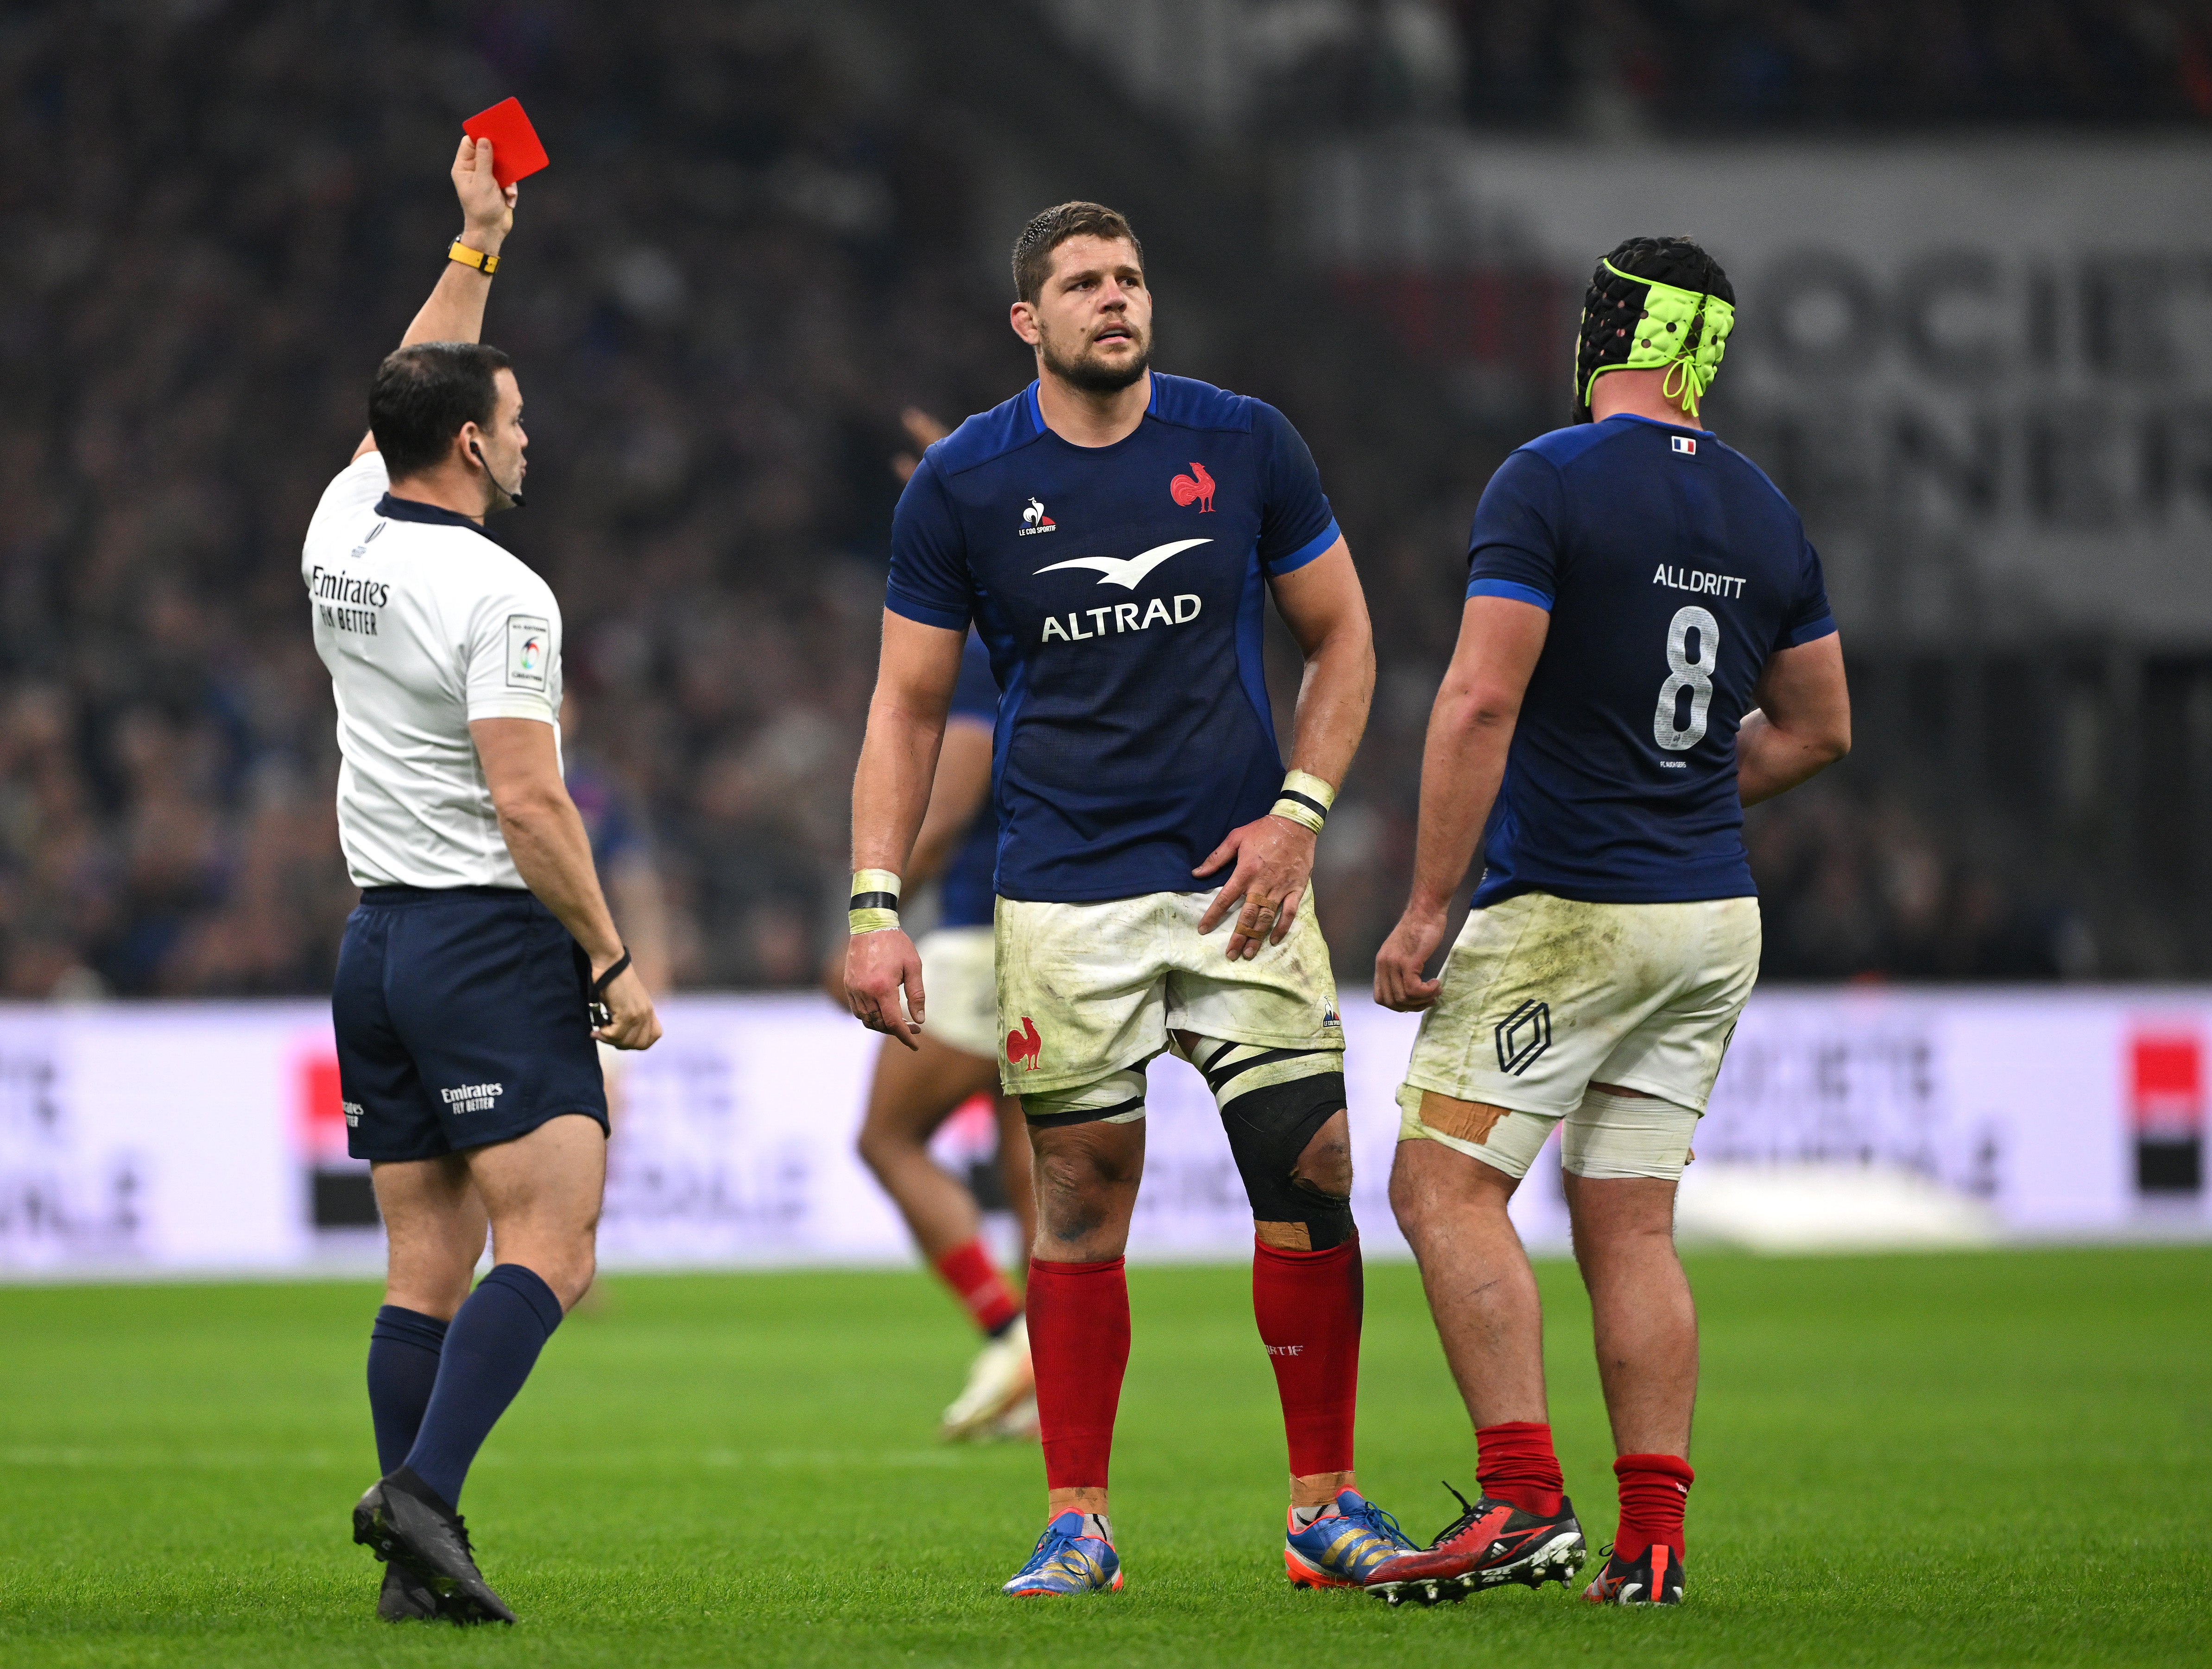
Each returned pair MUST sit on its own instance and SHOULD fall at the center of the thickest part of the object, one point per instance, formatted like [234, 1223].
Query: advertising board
[179, 1138]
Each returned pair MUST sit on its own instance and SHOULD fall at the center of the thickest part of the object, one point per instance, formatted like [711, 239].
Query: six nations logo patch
[529, 641]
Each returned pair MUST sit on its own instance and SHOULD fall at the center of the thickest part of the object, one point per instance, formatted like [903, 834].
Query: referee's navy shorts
[462, 1020]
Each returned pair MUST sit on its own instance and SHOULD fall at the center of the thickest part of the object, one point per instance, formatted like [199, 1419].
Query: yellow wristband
[1304, 799]
[486, 264]
[875, 901]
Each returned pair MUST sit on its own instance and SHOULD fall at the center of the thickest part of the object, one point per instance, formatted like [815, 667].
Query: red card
[515, 151]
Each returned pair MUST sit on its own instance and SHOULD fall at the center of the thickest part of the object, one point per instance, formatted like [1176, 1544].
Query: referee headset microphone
[512, 494]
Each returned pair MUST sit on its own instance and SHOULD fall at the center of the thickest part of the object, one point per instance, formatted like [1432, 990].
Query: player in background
[1646, 648]
[1110, 531]
[912, 1092]
[482, 963]
[621, 854]
[915, 1090]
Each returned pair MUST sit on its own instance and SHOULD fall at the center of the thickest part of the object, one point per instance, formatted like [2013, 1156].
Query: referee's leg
[541, 1192]
[433, 1231]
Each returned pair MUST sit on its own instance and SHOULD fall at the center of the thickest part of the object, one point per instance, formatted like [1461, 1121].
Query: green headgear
[1654, 303]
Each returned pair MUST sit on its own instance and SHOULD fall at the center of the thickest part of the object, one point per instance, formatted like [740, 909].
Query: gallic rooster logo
[1196, 487]
[1023, 1046]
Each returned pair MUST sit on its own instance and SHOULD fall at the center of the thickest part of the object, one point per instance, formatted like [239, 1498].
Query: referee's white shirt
[424, 624]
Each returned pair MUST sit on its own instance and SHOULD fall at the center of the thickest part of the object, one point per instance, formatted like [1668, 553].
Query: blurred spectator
[1707, 65]
[1858, 889]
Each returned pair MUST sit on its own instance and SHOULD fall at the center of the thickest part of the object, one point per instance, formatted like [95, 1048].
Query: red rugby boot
[1491, 1543]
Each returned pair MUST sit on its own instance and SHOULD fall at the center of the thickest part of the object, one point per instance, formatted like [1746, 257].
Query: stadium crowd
[1852, 63]
[1718, 65]
[755, 250]
[738, 273]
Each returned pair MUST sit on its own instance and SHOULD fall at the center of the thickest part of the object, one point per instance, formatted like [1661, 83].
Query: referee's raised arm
[482, 968]
[455, 311]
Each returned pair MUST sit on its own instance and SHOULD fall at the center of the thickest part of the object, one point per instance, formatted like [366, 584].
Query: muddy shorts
[1545, 996]
[963, 997]
[1087, 990]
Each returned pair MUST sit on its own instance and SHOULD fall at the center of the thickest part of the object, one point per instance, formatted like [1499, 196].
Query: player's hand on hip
[878, 966]
[635, 1025]
[1398, 965]
[488, 206]
[1274, 860]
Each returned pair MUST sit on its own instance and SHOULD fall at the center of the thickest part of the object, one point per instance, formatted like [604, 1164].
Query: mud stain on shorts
[1562, 949]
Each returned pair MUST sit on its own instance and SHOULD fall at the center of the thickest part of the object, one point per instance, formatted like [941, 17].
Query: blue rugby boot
[1074, 1555]
[1340, 1550]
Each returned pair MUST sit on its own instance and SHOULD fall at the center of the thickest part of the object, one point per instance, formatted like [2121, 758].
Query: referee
[482, 962]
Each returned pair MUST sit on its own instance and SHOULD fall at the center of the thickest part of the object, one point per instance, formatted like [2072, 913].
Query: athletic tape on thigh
[1272, 1102]
[1117, 1098]
[1611, 1137]
[1500, 1138]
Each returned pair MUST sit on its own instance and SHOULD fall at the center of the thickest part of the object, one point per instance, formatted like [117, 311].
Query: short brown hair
[1033, 249]
[424, 394]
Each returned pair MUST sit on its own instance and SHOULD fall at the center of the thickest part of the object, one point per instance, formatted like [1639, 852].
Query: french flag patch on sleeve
[1683, 443]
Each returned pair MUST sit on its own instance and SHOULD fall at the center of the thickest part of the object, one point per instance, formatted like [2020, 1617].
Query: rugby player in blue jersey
[1112, 534]
[915, 1089]
[1646, 649]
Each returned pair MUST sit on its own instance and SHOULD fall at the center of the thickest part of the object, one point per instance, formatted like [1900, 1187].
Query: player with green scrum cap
[1672, 313]
[1646, 649]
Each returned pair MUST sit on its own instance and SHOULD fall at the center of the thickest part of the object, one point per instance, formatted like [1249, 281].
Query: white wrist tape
[1304, 799]
[875, 901]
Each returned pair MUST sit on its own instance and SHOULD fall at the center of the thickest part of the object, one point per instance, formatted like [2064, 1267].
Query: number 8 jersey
[1671, 568]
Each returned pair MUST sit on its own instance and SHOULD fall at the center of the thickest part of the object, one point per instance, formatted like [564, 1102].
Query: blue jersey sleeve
[1513, 550]
[613, 833]
[929, 580]
[1296, 524]
[1809, 617]
[976, 694]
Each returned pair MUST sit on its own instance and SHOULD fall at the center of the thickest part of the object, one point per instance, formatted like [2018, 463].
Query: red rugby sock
[1515, 1463]
[1308, 1305]
[1079, 1341]
[1654, 1490]
[976, 1283]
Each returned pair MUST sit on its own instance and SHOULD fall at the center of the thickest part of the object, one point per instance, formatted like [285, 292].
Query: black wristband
[601, 1014]
[1306, 800]
[875, 900]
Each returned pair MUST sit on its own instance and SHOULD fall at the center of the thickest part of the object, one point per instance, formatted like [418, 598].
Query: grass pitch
[1955, 1459]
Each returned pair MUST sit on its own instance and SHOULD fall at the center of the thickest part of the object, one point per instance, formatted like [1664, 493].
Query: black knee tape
[1268, 1130]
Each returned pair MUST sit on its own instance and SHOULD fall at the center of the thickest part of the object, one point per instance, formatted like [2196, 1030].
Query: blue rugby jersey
[964, 894]
[1121, 591]
[1671, 568]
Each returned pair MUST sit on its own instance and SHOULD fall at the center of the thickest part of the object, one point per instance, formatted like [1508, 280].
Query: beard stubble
[1094, 376]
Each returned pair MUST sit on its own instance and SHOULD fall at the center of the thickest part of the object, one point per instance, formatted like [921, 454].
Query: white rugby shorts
[961, 1006]
[1545, 996]
[1085, 990]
